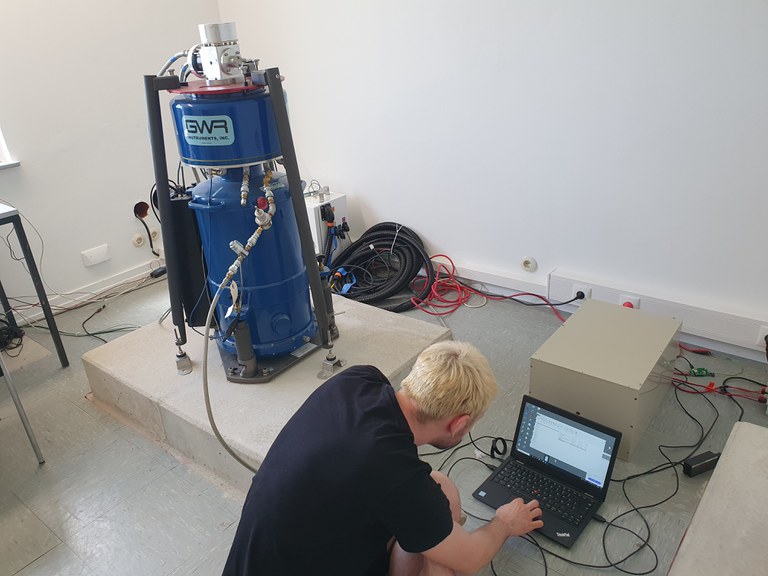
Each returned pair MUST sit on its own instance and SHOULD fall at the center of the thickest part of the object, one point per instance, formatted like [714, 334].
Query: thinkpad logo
[563, 534]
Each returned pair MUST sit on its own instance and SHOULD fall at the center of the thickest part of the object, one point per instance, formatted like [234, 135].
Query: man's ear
[458, 423]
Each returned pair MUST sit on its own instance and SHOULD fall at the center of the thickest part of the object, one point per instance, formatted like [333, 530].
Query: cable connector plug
[157, 272]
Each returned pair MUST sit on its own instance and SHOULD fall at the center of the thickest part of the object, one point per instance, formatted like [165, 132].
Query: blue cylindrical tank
[272, 280]
[224, 129]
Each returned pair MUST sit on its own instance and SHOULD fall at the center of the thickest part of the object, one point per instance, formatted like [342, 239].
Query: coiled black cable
[11, 337]
[380, 265]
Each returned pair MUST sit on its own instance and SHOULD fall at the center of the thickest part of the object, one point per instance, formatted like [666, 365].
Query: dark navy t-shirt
[342, 478]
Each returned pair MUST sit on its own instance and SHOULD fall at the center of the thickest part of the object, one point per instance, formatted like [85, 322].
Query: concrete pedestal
[136, 376]
[727, 531]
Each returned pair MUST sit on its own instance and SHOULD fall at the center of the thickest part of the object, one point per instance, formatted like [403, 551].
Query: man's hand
[519, 517]
[467, 553]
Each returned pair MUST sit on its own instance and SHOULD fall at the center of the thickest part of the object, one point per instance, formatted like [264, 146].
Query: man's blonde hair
[449, 379]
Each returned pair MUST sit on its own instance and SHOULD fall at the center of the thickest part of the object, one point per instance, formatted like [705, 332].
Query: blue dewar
[230, 131]
[272, 280]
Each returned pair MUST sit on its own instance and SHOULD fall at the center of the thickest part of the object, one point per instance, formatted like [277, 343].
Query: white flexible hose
[208, 322]
[171, 60]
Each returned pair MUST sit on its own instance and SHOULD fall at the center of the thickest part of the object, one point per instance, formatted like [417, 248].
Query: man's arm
[468, 552]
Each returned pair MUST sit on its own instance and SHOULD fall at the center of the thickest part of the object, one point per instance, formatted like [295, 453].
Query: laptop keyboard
[560, 500]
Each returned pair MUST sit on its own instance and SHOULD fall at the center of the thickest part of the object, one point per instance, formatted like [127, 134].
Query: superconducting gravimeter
[258, 276]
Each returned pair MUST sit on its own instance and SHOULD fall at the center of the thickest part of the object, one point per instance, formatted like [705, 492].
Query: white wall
[72, 109]
[624, 141]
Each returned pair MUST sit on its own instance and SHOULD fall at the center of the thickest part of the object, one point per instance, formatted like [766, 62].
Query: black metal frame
[324, 318]
[14, 219]
[153, 85]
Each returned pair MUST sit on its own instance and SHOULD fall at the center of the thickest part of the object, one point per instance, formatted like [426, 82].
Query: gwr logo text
[208, 130]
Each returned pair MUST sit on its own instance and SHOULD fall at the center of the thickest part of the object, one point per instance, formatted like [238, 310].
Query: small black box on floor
[700, 463]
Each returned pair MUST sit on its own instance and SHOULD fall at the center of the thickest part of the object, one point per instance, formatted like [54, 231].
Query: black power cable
[391, 256]
[11, 337]
[643, 541]
[92, 334]
[518, 300]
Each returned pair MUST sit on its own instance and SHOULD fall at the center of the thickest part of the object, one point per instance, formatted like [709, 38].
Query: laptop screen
[565, 443]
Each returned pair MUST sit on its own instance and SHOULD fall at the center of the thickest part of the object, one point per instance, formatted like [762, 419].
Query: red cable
[446, 283]
[715, 390]
[701, 351]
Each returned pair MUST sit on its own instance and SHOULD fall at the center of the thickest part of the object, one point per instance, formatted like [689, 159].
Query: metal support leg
[324, 316]
[152, 86]
[20, 410]
[7, 307]
[40, 289]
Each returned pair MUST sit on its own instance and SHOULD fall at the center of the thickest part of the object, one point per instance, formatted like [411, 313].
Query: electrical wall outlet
[576, 288]
[718, 330]
[155, 234]
[629, 301]
[96, 255]
[137, 240]
[761, 334]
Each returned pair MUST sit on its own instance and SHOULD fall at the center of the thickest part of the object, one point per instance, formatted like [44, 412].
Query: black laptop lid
[566, 446]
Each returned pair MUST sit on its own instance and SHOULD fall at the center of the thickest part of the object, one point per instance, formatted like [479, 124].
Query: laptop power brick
[700, 463]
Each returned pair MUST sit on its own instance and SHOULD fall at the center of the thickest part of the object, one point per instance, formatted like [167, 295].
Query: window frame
[6, 160]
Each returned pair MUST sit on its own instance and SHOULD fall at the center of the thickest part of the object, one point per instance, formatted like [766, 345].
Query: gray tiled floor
[111, 501]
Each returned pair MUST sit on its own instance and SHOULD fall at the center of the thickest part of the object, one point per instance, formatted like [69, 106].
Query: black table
[9, 215]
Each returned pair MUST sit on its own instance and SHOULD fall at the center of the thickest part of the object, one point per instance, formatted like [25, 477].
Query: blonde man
[343, 479]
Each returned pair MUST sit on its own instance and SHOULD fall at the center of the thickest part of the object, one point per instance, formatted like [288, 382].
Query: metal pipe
[244, 187]
[244, 346]
[20, 410]
[39, 289]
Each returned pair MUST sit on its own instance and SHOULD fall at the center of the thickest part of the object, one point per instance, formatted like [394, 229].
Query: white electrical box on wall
[319, 228]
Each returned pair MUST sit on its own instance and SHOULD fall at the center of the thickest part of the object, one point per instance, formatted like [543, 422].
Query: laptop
[562, 460]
